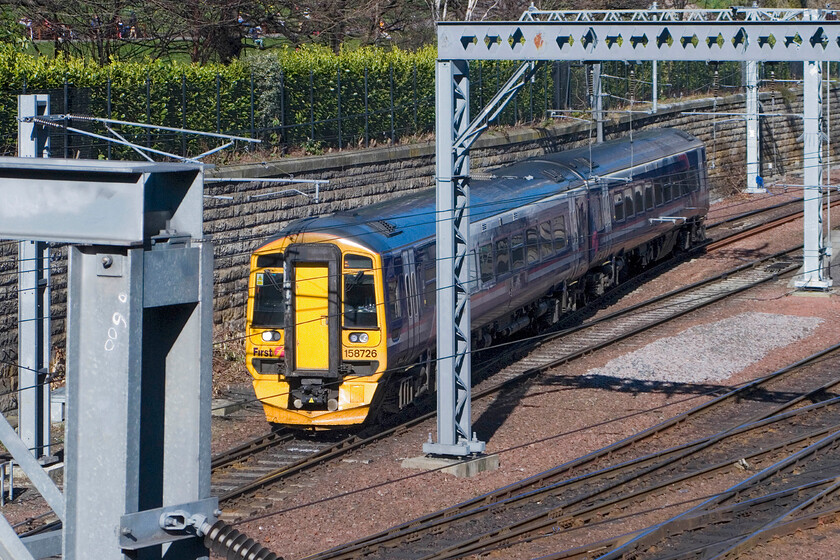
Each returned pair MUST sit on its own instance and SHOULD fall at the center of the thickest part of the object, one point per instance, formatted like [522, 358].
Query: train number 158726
[351, 353]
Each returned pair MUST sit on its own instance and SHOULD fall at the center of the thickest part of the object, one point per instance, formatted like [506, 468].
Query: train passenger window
[502, 257]
[429, 290]
[359, 300]
[559, 234]
[485, 262]
[666, 190]
[657, 191]
[628, 203]
[357, 261]
[393, 298]
[269, 301]
[619, 207]
[517, 252]
[640, 204]
[694, 180]
[546, 250]
[648, 196]
[532, 246]
[684, 183]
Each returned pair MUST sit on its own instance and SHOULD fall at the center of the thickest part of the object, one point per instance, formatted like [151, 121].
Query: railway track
[240, 500]
[756, 425]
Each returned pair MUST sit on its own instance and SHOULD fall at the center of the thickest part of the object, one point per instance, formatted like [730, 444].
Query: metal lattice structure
[738, 34]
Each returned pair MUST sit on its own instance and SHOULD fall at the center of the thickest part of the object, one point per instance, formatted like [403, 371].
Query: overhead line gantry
[751, 35]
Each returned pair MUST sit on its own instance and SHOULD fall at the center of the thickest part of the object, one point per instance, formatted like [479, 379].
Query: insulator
[772, 76]
[590, 81]
[229, 543]
[632, 85]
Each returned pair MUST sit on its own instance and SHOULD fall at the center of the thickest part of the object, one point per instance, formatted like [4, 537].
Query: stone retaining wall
[239, 224]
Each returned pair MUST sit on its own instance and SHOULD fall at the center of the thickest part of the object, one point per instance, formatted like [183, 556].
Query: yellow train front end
[316, 342]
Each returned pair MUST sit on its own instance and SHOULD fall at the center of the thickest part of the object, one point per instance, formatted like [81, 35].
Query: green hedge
[288, 97]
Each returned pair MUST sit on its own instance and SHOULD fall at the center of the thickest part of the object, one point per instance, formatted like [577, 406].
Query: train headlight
[358, 337]
[270, 336]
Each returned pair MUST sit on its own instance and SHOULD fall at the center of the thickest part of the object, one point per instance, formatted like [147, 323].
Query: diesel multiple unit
[341, 313]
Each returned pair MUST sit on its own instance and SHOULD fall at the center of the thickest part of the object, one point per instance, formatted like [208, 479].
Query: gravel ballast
[710, 352]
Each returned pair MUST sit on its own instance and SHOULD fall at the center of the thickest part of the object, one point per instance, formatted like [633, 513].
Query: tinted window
[532, 246]
[393, 298]
[640, 205]
[648, 196]
[502, 257]
[657, 191]
[619, 207]
[545, 240]
[269, 302]
[357, 261]
[359, 300]
[517, 252]
[559, 234]
[628, 203]
[270, 261]
[666, 191]
[485, 262]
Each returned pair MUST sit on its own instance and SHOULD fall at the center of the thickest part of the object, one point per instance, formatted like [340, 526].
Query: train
[341, 308]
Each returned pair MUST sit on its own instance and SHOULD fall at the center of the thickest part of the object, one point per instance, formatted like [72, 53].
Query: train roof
[405, 220]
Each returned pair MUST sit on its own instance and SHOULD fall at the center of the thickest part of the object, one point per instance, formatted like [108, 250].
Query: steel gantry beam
[737, 34]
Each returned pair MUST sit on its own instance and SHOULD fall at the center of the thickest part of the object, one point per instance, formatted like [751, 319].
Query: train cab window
[546, 250]
[272, 260]
[502, 257]
[485, 262]
[532, 246]
[269, 301]
[359, 300]
[619, 207]
[357, 261]
[685, 187]
[560, 234]
[517, 252]
[649, 196]
[628, 203]
[638, 199]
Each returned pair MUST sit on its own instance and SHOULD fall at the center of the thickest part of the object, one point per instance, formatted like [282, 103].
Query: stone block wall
[239, 217]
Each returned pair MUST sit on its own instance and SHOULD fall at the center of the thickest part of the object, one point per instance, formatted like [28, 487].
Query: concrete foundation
[461, 468]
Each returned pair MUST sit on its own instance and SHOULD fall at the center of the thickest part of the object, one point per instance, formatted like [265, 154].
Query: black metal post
[148, 110]
[311, 106]
[218, 104]
[252, 106]
[367, 115]
[66, 112]
[391, 72]
[338, 90]
[414, 89]
[283, 106]
[184, 114]
[108, 109]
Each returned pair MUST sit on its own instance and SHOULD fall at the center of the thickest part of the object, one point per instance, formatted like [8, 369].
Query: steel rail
[798, 470]
[537, 487]
[655, 480]
[737, 544]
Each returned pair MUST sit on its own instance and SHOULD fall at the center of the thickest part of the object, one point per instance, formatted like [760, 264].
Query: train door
[312, 341]
[412, 298]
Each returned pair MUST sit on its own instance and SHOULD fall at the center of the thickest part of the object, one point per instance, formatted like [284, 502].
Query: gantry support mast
[742, 34]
